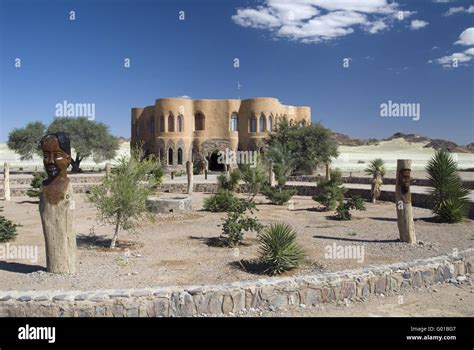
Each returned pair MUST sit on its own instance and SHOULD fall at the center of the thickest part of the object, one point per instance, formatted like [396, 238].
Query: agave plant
[278, 248]
[376, 169]
[449, 195]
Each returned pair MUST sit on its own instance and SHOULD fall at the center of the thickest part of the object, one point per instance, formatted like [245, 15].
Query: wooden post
[108, 170]
[60, 240]
[406, 225]
[189, 172]
[172, 175]
[205, 174]
[271, 175]
[6, 181]
[328, 172]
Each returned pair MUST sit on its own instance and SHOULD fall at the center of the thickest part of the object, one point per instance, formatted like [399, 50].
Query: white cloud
[313, 21]
[418, 24]
[460, 9]
[466, 37]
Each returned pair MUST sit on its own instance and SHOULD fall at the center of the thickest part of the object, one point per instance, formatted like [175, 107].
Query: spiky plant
[229, 181]
[278, 248]
[448, 195]
[376, 169]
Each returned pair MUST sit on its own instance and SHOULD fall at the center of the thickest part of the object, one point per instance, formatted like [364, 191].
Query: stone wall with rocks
[236, 298]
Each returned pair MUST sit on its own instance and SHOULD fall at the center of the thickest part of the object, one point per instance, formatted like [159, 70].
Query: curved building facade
[182, 129]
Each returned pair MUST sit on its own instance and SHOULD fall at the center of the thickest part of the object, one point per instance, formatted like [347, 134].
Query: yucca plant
[278, 249]
[376, 169]
[229, 181]
[449, 195]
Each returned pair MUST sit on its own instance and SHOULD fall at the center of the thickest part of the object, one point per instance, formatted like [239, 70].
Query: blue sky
[291, 50]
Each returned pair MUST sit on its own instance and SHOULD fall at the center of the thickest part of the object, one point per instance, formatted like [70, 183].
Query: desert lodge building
[181, 129]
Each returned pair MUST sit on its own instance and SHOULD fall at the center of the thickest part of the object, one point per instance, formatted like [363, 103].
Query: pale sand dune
[351, 157]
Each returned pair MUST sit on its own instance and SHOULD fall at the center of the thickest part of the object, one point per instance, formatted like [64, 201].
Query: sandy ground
[440, 300]
[180, 250]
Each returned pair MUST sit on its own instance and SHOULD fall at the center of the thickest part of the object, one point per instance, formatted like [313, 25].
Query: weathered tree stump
[189, 173]
[6, 181]
[271, 175]
[60, 239]
[406, 225]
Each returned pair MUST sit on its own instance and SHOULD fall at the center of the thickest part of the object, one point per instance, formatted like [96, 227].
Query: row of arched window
[170, 156]
[261, 124]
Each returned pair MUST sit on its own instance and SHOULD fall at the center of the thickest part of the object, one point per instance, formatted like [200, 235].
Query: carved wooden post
[189, 172]
[328, 171]
[406, 226]
[57, 205]
[6, 181]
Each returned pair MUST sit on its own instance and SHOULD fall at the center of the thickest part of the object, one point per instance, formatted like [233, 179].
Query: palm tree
[376, 169]
[449, 195]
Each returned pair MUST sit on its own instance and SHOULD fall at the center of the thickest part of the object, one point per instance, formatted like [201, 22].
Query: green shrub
[331, 192]
[120, 199]
[449, 195]
[278, 249]
[221, 201]
[36, 183]
[238, 222]
[276, 195]
[7, 229]
[254, 177]
[343, 209]
[229, 181]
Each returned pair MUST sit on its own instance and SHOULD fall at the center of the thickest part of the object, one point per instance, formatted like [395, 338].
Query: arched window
[180, 156]
[253, 124]
[180, 123]
[171, 123]
[151, 125]
[234, 122]
[170, 156]
[270, 123]
[262, 123]
[162, 123]
[303, 123]
[199, 121]
[292, 122]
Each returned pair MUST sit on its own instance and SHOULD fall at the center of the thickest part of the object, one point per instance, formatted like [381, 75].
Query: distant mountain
[345, 140]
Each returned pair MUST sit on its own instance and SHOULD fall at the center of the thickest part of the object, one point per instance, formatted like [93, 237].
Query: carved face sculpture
[55, 159]
[405, 180]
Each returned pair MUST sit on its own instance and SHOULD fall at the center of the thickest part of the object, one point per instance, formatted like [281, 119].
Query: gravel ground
[180, 249]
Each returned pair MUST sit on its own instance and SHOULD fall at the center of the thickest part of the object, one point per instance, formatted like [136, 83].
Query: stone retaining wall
[235, 297]
[421, 200]
[367, 180]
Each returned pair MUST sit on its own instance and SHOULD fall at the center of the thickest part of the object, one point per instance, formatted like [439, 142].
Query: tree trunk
[328, 171]
[406, 225]
[6, 181]
[75, 163]
[60, 239]
[117, 227]
[189, 173]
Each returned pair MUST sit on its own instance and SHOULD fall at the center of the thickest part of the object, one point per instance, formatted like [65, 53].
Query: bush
[254, 177]
[331, 192]
[221, 201]
[276, 195]
[449, 195]
[343, 209]
[278, 249]
[237, 223]
[229, 181]
[36, 183]
[121, 198]
[7, 229]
